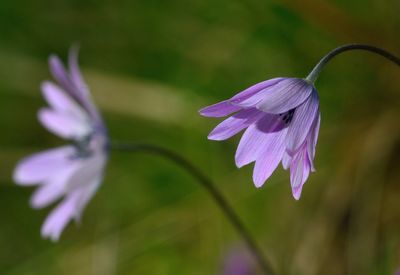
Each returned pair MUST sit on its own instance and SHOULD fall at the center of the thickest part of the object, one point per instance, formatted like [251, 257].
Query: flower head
[72, 172]
[281, 117]
[237, 262]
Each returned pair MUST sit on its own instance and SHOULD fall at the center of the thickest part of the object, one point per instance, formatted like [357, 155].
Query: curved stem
[317, 69]
[208, 184]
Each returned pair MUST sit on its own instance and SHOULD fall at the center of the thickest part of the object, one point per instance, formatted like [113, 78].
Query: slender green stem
[321, 64]
[210, 187]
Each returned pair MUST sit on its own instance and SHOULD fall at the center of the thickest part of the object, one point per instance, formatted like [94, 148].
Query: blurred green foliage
[151, 65]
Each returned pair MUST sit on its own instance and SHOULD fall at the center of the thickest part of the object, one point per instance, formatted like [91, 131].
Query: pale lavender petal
[312, 141]
[41, 166]
[254, 90]
[60, 217]
[59, 73]
[54, 187]
[286, 160]
[268, 160]
[280, 98]
[303, 119]
[86, 193]
[219, 109]
[60, 101]
[227, 107]
[75, 73]
[64, 125]
[299, 171]
[234, 124]
[254, 139]
[90, 168]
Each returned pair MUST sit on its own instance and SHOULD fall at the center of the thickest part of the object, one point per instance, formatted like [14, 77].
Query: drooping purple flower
[72, 172]
[281, 117]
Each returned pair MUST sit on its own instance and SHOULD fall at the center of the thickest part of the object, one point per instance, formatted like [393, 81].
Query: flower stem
[321, 64]
[210, 187]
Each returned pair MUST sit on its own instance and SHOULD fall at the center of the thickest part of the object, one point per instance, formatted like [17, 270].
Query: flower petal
[286, 160]
[89, 169]
[227, 107]
[303, 119]
[282, 97]
[75, 73]
[60, 217]
[64, 125]
[266, 163]
[234, 124]
[299, 171]
[312, 141]
[219, 109]
[255, 138]
[59, 73]
[254, 90]
[55, 187]
[60, 101]
[41, 166]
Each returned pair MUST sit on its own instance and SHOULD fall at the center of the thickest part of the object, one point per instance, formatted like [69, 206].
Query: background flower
[72, 172]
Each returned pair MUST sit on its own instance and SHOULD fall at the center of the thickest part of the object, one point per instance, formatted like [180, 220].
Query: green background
[151, 65]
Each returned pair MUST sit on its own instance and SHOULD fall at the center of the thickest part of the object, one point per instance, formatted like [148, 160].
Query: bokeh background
[151, 65]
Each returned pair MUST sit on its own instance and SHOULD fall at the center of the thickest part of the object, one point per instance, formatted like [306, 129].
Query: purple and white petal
[62, 102]
[299, 171]
[75, 74]
[255, 138]
[60, 217]
[282, 97]
[286, 160]
[301, 124]
[64, 125]
[270, 157]
[54, 187]
[234, 124]
[220, 109]
[249, 92]
[41, 166]
[312, 141]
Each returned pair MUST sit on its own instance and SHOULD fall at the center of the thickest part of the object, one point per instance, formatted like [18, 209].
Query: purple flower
[281, 117]
[73, 172]
[237, 262]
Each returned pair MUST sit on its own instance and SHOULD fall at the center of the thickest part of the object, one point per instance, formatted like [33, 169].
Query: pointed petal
[59, 73]
[282, 97]
[227, 107]
[286, 160]
[59, 218]
[64, 125]
[75, 73]
[303, 119]
[60, 101]
[41, 166]
[254, 90]
[266, 163]
[234, 124]
[55, 187]
[254, 139]
[299, 171]
[220, 109]
[312, 141]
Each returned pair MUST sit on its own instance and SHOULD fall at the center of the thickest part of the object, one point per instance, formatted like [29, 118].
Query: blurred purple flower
[282, 119]
[72, 172]
[237, 262]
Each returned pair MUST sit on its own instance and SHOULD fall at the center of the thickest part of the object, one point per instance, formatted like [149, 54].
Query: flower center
[287, 117]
